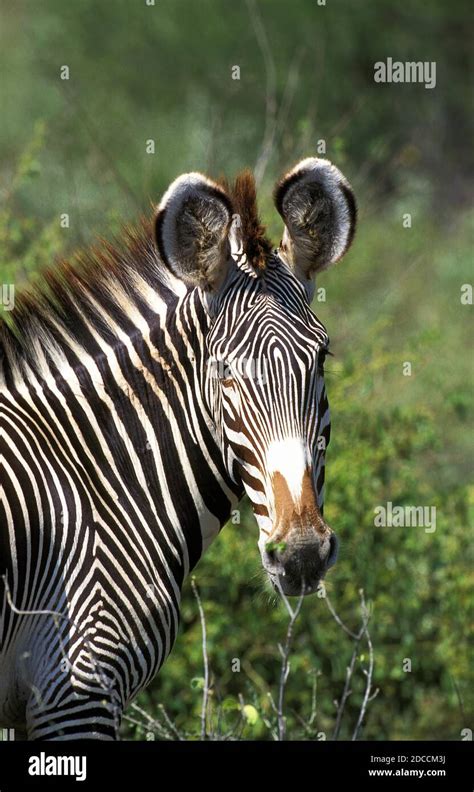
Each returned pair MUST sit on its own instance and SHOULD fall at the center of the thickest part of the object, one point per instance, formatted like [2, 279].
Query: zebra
[130, 430]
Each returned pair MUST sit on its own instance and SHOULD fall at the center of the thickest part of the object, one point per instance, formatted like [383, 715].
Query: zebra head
[262, 373]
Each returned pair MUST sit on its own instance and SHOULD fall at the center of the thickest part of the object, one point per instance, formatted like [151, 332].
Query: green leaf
[250, 714]
[230, 703]
[279, 547]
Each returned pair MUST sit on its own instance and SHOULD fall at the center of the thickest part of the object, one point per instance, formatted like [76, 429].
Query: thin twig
[458, 694]
[266, 721]
[314, 692]
[289, 91]
[146, 727]
[308, 724]
[346, 692]
[56, 615]
[205, 694]
[357, 637]
[154, 723]
[285, 661]
[270, 91]
[337, 618]
[239, 723]
[170, 723]
[285, 599]
[368, 672]
[135, 722]
[105, 683]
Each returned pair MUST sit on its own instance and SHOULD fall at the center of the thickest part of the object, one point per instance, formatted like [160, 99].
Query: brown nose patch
[303, 516]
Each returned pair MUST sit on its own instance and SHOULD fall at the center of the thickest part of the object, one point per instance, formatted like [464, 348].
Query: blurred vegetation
[140, 72]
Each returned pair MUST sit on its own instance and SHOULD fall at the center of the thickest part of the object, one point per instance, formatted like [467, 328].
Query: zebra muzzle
[301, 547]
[296, 566]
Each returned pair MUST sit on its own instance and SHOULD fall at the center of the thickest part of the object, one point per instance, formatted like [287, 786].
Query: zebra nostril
[333, 549]
[271, 554]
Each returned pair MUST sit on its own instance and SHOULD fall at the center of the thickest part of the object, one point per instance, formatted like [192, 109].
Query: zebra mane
[103, 286]
[243, 195]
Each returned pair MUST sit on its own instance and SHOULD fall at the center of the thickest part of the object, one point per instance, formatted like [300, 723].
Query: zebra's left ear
[192, 227]
[319, 210]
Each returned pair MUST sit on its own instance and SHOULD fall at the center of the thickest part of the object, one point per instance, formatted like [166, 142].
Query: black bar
[151, 765]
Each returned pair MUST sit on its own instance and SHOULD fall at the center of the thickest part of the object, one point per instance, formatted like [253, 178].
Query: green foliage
[164, 72]
[26, 244]
[279, 547]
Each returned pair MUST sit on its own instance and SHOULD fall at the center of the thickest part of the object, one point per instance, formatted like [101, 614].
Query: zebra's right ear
[192, 227]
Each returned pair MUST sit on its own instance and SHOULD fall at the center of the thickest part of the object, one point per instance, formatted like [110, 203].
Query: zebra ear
[319, 210]
[192, 228]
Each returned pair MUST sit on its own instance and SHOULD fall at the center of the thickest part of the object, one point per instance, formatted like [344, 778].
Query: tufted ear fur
[319, 211]
[192, 228]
